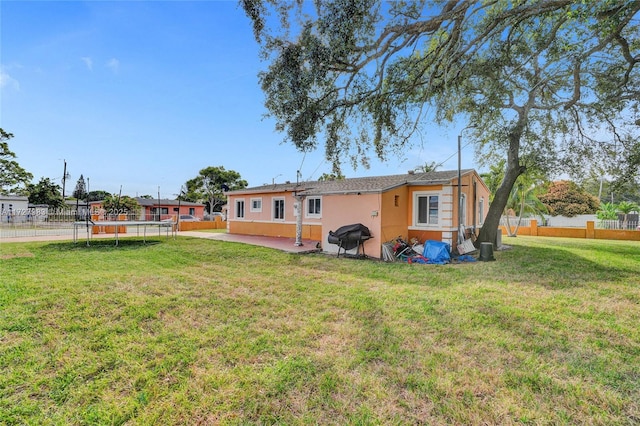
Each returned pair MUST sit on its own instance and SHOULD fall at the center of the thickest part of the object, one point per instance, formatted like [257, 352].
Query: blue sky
[141, 95]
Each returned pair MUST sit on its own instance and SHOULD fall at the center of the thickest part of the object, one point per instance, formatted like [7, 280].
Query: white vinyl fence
[579, 221]
[618, 224]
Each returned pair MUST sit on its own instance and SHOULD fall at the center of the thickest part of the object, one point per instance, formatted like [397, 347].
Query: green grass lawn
[192, 331]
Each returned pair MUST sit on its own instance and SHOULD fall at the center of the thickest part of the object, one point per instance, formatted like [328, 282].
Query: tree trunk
[522, 204]
[508, 226]
[489, 230]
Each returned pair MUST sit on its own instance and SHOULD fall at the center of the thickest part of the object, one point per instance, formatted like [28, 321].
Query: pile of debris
[431, 252]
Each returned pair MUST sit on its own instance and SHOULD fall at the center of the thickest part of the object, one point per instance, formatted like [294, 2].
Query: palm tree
[625, 208]
[428, 167]
[524, 197]
[606, 213]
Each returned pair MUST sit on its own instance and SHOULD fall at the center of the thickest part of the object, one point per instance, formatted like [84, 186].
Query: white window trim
[252, 209]
[235, 208]
[273, 209]
[306, 208]
[415, 212]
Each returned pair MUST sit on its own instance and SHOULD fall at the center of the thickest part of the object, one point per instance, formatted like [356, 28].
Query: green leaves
[208, 186]
[116, 205]
[13, 178]
[567, 199]
[45, 192]
[607, 211]
[80, 192]
[627, 207]
[538, 78]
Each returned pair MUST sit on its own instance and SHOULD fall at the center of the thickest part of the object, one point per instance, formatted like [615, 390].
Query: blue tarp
[466, 258]
[437, 252]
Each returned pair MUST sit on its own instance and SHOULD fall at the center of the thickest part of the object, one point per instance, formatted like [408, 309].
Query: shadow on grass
[102, 245]
[556, 265]
[565, 266]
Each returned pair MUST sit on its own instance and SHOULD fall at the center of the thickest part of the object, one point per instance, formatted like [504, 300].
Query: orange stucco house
[420, 205]
[162, 209]
[165, 209]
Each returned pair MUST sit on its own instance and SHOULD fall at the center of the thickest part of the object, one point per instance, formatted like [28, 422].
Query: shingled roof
[373, 184]
[152, 202]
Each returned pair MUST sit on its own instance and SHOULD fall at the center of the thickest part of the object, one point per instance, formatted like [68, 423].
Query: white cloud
[114, 64]
[7, 81]
[88, 62]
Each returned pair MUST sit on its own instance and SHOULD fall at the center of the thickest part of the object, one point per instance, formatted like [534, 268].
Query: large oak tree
[210, 186]
[550, 84]
[13, 178]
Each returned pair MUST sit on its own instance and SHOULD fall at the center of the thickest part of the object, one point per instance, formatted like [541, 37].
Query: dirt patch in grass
[15, 255]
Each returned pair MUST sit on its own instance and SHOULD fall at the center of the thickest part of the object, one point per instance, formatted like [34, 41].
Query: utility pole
[64, 178]
[461, 225]
[299, 208]
[460, 234]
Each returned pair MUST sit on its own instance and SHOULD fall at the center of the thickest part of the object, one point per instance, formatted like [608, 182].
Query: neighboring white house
[38, 212]
[14, 208]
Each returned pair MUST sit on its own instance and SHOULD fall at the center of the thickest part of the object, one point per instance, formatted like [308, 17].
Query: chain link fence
[36, 222]
[43, 223]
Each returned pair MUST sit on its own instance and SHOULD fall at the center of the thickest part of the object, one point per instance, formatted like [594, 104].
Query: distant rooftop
[150, 202]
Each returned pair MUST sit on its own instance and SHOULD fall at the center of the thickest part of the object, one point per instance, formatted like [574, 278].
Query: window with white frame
[256, 205]
[427, 209]
[314, 207]
[239, 209]
[481, 211]
[278, 208]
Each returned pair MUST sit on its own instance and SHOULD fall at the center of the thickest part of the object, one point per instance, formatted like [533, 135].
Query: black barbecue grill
[349, 237]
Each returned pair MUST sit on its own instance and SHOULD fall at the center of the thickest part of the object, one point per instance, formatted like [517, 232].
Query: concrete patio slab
[278, 243]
